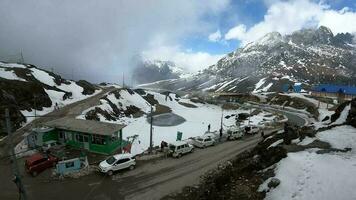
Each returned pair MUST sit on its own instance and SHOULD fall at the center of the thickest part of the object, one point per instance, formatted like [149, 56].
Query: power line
[15, 168]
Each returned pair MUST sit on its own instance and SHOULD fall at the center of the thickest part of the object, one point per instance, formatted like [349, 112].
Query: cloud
[236, 33]
[191, 61]
[215, 37]
[97, 39]
[288, 16]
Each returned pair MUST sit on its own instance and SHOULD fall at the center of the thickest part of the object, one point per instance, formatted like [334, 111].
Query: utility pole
[22, 59]
[221, 121]
[123, 79]
[249, 116]
[151, 130]
[35, 105]
[15, 168]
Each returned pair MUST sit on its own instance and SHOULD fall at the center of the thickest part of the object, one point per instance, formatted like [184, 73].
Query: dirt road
[150, 180]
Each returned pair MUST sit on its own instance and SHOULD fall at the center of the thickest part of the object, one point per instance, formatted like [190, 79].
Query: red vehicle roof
[34, 157]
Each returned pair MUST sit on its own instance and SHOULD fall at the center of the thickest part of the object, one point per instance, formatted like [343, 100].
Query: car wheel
[132, 167]
[110, 173]
[191, 151]
[34, 174]
[179, 155]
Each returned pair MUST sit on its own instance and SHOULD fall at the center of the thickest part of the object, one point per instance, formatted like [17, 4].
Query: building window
[79, 138]
[98, 139]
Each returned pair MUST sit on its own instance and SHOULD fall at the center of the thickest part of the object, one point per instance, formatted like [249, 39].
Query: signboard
[179, 136]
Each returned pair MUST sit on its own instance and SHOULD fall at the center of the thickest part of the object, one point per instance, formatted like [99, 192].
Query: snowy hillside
[305, 57]
[26, 88]
[132, 107]
[320, 166]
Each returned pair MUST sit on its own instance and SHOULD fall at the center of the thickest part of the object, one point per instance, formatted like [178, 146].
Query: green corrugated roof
[85, 126]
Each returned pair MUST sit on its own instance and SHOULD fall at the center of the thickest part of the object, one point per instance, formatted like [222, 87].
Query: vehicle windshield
[200, 139]
[110, 160]
[172, 147]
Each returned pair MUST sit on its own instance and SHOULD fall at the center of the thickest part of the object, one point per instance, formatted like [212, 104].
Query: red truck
[39, 162]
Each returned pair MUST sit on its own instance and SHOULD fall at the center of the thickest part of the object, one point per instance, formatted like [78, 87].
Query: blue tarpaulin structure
[297, 87]
[328, 88]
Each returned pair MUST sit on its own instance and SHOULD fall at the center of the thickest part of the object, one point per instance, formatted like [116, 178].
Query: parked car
[117, 162]
[251, 130]
[203, 142]
[37, 163]
[235, 134]
[179, 148]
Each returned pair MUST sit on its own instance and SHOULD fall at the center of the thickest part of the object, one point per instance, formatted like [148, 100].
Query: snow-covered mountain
[147, 71]
[307, 56]
[25, 88]
[171, 113]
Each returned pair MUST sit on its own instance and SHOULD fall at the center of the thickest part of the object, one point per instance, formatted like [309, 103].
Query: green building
[94, 136]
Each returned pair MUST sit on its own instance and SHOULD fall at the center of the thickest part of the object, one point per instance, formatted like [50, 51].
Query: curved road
[150, 180]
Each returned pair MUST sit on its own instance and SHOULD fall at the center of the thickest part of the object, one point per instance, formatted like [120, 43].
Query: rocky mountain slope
[307, 56]
[25, 88]
[156, 70]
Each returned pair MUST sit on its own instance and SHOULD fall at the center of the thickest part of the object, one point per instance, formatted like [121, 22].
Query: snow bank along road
[150, 180]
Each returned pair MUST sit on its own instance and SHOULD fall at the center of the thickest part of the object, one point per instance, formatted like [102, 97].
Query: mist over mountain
[147, 71]
[307, 56]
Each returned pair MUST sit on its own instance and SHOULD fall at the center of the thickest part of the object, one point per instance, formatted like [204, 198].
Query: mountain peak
[269, 38]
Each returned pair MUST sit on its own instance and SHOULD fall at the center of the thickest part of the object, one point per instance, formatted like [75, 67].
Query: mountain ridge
[307, 56]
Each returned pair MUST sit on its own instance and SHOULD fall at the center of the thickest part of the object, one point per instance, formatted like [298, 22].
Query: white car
[203, 142]
[117, 162]
[179, 148]
[235, 134]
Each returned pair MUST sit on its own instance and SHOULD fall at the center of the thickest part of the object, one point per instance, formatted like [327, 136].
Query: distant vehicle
[214, 134]
[204, 141]
[50, 144]
[37, 163]
[235, 134]
[252, 130]
[117, 162]
[179, 148]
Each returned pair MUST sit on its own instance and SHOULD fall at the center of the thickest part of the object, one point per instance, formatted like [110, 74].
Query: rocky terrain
[306, 57]
[25, 88]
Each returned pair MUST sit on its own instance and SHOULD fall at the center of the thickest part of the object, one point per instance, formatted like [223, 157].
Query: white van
[235, 134]
[179, 148]
[204, 141]
[117, 162]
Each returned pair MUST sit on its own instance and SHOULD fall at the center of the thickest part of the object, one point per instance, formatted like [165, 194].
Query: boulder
[273, 183]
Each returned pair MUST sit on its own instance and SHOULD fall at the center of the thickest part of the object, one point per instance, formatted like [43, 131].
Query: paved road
[150, 180]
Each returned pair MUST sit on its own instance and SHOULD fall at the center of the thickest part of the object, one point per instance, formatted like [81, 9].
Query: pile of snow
[276, 143]
[308, 175]
[343, 115]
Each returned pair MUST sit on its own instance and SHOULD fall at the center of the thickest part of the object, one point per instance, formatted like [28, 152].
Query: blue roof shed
[328, 88]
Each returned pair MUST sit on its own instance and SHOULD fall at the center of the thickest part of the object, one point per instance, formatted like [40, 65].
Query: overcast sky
[99, 40]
